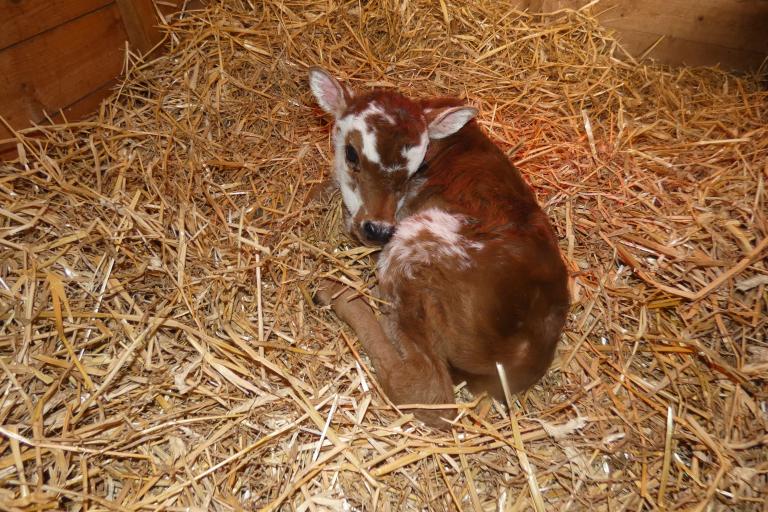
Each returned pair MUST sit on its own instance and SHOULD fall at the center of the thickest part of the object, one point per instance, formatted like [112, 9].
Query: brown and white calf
[470, 272]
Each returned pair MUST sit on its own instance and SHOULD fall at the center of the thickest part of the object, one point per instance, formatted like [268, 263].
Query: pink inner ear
[330, 94]
[327, 92]
[449, 121]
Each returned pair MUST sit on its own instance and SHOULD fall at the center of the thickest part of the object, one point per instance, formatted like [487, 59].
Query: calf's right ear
[331, 95]
[444, 122]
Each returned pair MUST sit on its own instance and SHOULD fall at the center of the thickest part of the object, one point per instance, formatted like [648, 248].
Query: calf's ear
[447, 121]
[331, 95]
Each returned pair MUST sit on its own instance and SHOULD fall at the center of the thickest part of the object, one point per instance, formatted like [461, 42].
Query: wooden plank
[140, 23]
[678, 51]
[173, 6]
[730, 32]
[87, 105]
[139, 18]
[22, 19]
[80, 109]
[737, 24]
[60, 66]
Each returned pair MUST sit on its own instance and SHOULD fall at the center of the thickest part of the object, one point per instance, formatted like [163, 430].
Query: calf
[470, 273]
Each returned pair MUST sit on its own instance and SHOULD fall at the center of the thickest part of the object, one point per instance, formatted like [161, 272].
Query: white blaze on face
[349, 194]
[344, 126]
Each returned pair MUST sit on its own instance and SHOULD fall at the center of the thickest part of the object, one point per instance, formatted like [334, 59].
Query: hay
[160, 349]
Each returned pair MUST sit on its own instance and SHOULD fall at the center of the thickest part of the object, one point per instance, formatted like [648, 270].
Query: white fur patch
[415, 155]
[400, 203]
[426, 238]
[359, 122]
[374, 108]
[344, 126]
[349, 194]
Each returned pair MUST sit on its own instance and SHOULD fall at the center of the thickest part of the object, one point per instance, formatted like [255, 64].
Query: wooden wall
[65, 55]
[732, 33]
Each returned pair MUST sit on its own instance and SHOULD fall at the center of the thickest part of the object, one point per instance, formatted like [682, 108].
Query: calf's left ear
[447, 121]
[330, 94]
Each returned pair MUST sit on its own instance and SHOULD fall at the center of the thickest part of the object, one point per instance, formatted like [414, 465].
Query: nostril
[386, 233]
[378, 231]
[369, 228]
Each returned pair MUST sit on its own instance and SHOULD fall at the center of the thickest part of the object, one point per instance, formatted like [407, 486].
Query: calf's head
[380, 139]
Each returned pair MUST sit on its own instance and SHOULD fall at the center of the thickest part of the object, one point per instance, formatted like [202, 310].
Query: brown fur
[449, 321]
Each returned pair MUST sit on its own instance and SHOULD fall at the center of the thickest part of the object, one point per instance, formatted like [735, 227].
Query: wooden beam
[172, 6]
[736, 24]
[679, 51]
[63, 58]
[60, 66]
[731, 33]
[83, 107]
[22, 19]
[140, 22]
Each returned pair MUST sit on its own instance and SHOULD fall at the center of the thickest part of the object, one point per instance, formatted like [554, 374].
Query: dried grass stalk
[160, 349]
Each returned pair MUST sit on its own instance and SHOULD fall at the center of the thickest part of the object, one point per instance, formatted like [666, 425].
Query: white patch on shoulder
[415, 154]
[423, 239]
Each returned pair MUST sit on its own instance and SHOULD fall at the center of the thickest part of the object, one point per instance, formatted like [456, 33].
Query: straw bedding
[161, 351]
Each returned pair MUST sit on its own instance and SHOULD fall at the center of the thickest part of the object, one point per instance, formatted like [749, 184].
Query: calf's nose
[378, 232]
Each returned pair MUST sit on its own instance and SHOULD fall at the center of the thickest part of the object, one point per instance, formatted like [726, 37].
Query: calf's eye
[351, 155]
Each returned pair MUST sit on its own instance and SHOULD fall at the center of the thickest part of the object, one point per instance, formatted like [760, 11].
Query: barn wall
[731, 33]
[66, 54]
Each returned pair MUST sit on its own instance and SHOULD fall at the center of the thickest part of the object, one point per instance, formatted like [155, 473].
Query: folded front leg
[407, 374]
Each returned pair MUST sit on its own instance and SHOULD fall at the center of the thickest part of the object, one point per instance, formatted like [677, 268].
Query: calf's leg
[406, 372]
